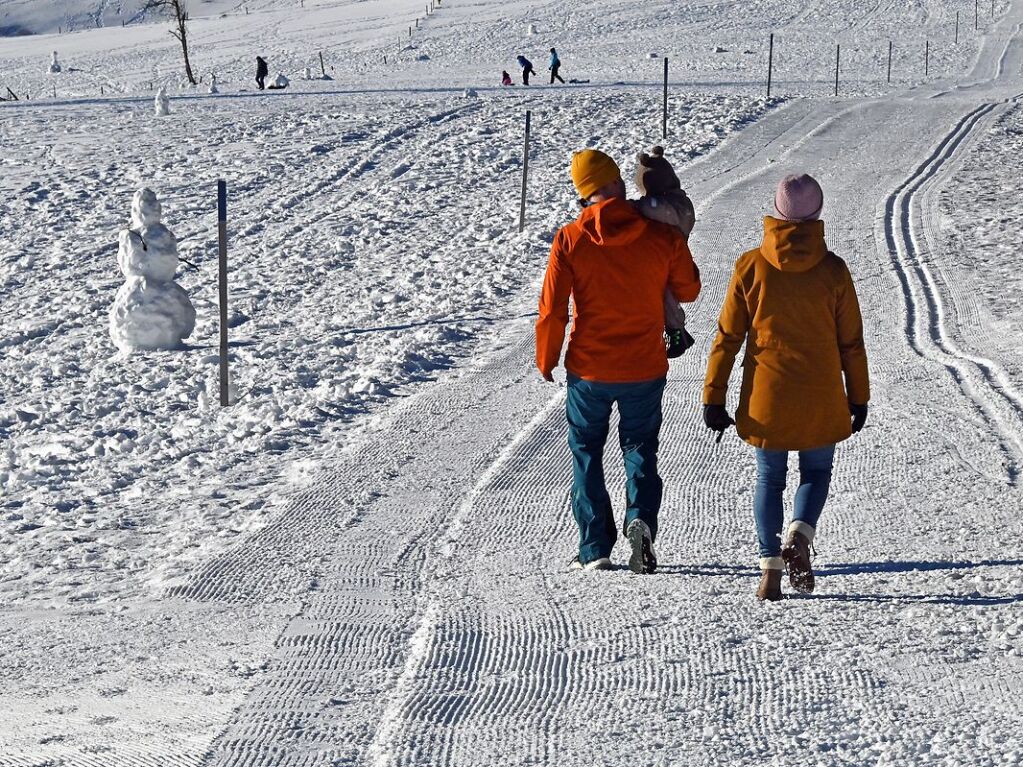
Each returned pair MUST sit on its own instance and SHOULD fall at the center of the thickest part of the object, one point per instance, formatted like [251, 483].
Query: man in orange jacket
[615, 265]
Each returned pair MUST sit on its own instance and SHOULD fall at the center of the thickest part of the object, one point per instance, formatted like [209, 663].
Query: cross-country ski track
[442, 629]
[427, 614]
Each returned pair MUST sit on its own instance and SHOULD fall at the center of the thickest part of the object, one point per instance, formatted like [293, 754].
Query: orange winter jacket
[795, 306]
[615, 265]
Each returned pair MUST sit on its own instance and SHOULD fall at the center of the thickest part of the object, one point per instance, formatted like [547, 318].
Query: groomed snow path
[440, 627]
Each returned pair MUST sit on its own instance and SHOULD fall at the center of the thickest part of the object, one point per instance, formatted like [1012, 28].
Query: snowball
[161, 103]
[149, 314]
[145, 209]
[151, 253]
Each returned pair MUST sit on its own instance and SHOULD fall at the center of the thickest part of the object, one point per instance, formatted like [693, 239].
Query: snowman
[54, 64]
[150, 311]
[161, 104]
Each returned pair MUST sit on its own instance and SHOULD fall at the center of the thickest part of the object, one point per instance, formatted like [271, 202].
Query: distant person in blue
[555, 66]
[527, 69]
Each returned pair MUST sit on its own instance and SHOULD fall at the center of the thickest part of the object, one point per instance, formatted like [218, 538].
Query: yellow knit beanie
[591, 170]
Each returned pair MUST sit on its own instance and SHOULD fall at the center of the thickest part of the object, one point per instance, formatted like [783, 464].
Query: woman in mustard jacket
[794, 305]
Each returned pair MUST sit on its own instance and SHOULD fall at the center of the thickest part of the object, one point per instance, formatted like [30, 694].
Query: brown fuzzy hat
[654, 174]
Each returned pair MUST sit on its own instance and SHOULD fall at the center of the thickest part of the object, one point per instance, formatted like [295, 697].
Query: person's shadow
[865, 568]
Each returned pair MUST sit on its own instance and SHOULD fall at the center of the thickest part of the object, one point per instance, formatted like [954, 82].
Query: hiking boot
[642, 560]
[796, 553]
[600, 563]
[769, 589]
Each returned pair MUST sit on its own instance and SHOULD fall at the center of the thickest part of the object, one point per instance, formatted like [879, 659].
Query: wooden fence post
[664, 126]
[525, 176]
[222, 237]
[838, 56]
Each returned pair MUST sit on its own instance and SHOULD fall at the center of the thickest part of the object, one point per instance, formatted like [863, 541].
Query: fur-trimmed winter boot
[796, 553]
[769, 589]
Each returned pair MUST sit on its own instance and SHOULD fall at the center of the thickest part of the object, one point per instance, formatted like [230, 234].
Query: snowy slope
[162, 558]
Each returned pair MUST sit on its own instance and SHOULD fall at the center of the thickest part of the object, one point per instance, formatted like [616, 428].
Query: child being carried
[664, 200]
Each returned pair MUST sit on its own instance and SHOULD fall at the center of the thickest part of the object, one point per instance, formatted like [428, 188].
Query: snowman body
[150, 310]
[161, 103]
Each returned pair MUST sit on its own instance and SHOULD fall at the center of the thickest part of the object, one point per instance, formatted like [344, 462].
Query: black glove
[859, 416]
[717, 418]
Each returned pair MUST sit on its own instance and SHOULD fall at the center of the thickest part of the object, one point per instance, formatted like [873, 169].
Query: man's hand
[859, 416]
[548, 376]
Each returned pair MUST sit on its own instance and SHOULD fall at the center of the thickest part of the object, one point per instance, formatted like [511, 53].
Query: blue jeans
[639, 424]
[814, 481]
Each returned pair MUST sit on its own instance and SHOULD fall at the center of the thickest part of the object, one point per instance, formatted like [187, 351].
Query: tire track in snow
[381, 750]
[905, 229]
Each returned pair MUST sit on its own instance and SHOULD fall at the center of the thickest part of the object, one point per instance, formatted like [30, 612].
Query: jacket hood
[612, 222]
[793, 246]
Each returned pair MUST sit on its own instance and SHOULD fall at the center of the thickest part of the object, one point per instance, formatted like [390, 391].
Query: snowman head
[145, 209]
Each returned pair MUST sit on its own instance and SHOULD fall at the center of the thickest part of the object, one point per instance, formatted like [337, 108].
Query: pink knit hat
[799, 198]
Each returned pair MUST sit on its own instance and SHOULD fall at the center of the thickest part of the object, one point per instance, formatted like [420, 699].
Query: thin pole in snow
[957, 27]
[525, 176]
[838, 56]
[323, 69]
[770, 64]
[927, 58]
[222, 236]
[664, 126]
[889, 62]
[976, 14]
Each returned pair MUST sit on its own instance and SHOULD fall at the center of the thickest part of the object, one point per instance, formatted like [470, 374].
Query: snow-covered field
[368, 543]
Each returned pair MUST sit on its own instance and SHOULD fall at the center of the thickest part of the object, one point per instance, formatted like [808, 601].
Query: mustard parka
[795, 306]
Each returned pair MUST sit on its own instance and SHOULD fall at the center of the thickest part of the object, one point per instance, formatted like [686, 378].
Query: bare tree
[177, 7]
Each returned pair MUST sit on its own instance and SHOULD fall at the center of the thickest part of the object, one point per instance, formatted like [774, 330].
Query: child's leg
[674, 316]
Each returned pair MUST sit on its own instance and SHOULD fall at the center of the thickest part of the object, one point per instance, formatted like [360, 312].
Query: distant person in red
[262, 70]
[506, 79]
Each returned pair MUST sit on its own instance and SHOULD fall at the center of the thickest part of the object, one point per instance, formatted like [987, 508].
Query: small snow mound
[307, 74]
[148, 314]
[469, 93]
[281, 81]
[161, 103]
[213, 86]
[54, 64]
[531, 30]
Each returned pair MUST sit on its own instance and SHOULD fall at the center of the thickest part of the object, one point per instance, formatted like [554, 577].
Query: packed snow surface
[361, 561]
